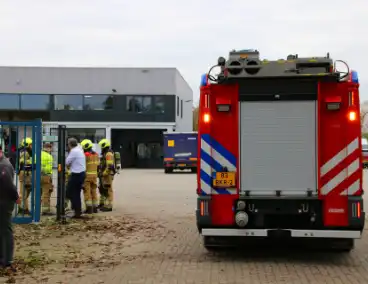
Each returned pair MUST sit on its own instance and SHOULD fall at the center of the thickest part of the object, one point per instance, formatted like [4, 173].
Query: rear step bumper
[282, 232]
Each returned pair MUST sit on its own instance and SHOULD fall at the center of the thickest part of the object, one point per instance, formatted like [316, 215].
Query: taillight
[356, 209]
[206, 118]
[352, 115]
[203, 208]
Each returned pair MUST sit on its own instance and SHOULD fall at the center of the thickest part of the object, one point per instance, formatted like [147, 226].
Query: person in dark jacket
[8, 197]
[13, 155]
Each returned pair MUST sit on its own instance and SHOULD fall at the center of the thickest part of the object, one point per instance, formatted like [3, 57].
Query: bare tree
[363, 115]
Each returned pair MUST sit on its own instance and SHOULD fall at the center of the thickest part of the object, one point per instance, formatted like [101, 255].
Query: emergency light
[204, 80]
[354, 77]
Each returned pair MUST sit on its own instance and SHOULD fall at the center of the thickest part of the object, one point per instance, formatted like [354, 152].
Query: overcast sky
[189, 34]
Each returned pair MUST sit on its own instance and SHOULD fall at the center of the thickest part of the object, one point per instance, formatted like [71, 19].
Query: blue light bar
[204, 80]
[247, 50]
[354, 77]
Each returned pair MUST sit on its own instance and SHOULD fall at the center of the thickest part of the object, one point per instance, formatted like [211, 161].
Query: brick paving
[179, 257]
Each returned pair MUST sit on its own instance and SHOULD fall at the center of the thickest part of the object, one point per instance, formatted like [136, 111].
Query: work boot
[89, 210]
[78, 215]
[106, 209]
[101, 206]
[95, 209]
[22, 211]
[47, 213]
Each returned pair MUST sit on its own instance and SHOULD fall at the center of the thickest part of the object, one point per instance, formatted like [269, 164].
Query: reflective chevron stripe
[347, 172]
[339, 157]
[214, 157]
[352, 189]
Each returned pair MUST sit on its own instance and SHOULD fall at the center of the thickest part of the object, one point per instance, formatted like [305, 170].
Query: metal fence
[29, 180]
[28, 177]
[57, 137]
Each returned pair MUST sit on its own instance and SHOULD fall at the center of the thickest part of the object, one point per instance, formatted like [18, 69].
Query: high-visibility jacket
[25, 160]
[107, 163]
[46, 163]
[92, 163]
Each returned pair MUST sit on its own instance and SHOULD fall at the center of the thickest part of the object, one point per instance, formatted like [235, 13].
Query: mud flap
[336, 211]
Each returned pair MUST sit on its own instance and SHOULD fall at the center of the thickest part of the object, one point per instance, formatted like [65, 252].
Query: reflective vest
[107, 163]
[46, 163]
[92, 163]
[25, 160]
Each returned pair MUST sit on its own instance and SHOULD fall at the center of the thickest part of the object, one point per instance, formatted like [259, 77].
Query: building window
[146, 104]
[177, 106]
[35, 102]
[181, 108]
[93, 134]
[9, 102]
[97, 102]
[139, 104]
[159, 104]
[68, 102]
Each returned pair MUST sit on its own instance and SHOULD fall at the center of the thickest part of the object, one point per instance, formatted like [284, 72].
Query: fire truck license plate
[224, 179]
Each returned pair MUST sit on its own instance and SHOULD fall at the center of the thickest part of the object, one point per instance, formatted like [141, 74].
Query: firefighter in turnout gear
[46, 178]
[90, 183]
[106, 175]
[25, 174]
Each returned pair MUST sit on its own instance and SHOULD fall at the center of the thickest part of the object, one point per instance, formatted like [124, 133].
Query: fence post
[37, 196]
[60, 214]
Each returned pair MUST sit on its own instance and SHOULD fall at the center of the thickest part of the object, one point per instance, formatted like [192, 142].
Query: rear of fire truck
[280, 151]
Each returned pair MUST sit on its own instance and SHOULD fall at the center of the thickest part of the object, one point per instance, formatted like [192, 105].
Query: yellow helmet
[86, 144]
[104, 143]
[26, 142]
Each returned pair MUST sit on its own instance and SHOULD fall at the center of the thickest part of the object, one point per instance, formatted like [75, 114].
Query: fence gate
[27, 178]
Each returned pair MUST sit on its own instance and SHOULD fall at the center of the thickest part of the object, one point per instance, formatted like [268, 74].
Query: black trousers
[6, 233]
[74, 190]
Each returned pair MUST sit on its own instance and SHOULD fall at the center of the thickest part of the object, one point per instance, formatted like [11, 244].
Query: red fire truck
[279, 151]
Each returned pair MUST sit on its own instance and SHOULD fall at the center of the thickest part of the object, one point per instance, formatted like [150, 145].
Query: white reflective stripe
[340, 177]
[205, 147]
[205, 187]
[352, 189]
[206, 167]
[222, 161]
[339, 157]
